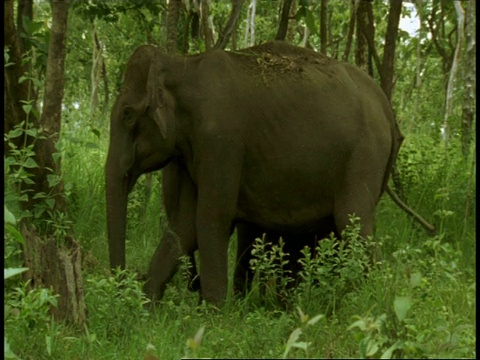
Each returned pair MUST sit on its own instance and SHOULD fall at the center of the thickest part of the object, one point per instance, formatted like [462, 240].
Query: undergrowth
[419, 302]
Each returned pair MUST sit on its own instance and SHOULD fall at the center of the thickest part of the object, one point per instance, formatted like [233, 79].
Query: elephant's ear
[159, 102]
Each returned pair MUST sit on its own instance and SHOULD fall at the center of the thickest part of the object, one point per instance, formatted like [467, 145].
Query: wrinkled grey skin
[275, 136]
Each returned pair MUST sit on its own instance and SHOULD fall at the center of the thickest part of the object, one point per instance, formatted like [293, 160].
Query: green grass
[421, 303]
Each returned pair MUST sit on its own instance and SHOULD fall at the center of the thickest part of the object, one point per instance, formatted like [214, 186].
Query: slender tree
[361, 50]
[206, 24]
[453, 70]
[351, 29]
[230, 26]
[250, 28]
[173, 13]
[388, 62]
[284, 17]
[469, 97]
[323, 27]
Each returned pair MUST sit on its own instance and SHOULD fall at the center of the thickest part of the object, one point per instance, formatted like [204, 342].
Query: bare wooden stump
[58, 267]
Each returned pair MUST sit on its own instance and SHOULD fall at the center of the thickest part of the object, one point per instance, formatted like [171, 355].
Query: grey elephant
[274, 136]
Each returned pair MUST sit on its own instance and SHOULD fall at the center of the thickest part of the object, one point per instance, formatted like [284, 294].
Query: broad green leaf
[48, 342]
[50, 203]
[7, 352]
[359, 323]
[194, 343]
[372, 348]
[15, 133]
[40, 195]
[8, 273]
[303, 317]
[389, 353]
[401, 305]
[27, 108]
[301, 345]
[15, 233]
[310, 21]
[415, 280]
[32, 132]
[30, 163]
[315, 319]
[8, 217]
[292, 340]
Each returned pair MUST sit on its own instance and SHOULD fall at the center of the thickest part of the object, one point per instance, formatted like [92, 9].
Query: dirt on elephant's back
[277, 59]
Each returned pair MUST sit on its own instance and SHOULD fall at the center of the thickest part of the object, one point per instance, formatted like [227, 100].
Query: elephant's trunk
[116, 191]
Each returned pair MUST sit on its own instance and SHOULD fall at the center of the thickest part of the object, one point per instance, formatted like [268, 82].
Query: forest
[64, 66]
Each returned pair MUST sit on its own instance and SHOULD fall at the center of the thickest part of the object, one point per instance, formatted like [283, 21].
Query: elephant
[274, 136]
[177, 196]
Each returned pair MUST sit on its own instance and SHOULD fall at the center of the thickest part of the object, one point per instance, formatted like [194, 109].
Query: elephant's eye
[128, 117]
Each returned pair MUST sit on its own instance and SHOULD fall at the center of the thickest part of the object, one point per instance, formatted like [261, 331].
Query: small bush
[115, 304]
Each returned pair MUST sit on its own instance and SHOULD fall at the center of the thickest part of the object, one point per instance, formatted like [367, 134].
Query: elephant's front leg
[180, 239]
[218, 184]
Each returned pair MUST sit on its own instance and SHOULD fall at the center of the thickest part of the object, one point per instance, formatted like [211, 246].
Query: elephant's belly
[285, 208]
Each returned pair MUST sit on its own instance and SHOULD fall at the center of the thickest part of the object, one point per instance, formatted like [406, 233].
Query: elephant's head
[142, 138]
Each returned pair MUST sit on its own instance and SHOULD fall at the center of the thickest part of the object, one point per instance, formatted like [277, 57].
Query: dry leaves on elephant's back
[274, 60]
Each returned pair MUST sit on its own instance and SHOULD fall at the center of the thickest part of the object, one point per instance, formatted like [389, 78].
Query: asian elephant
[274, 136]
[176, 196]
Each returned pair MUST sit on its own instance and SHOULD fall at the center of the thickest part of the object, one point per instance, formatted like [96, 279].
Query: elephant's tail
[397, 139]
[430, 228]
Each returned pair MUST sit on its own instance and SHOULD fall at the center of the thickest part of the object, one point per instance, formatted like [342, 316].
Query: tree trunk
[94, 74]
[292, 23]
[58, 267]
[250, 28]
[53, 259]
[388, 63]
[173, 12]
[283, 25]
[98, 72]
[453, 70]
[207, 25]
[16, 91]
[361, 45]
[231, 25]
[437, 29]
[469, 97]
[351, 29]
[323, 27]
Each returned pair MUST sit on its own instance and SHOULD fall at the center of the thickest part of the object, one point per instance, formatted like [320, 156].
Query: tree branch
[231, 25]
[283, 26]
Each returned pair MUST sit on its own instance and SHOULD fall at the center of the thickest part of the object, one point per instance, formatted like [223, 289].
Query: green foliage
[8, 273]
[411, 318]
[335, 267]
[115, 304]
[28, 312]
[295, 335]
[268, 262]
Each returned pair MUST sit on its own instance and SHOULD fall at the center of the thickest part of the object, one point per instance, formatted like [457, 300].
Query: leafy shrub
[426, 311]
[268, 262]
[115, 304]
[27, 316]
[336, 267]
